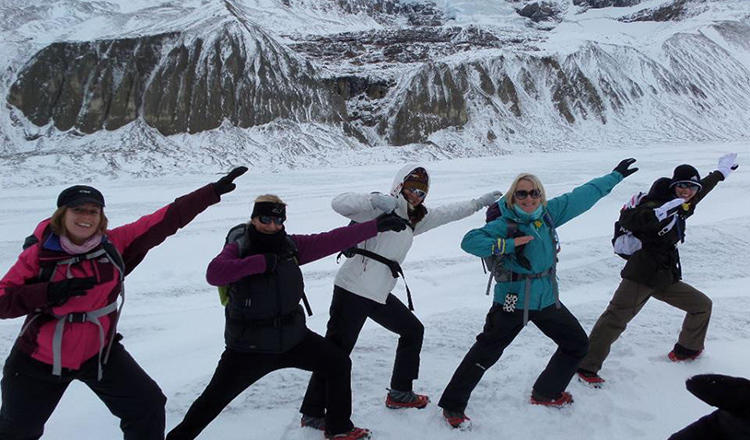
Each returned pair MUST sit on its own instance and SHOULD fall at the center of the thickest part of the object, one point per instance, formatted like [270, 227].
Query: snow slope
[173, 323]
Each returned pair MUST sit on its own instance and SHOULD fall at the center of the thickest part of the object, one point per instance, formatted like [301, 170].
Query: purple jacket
[227, 267]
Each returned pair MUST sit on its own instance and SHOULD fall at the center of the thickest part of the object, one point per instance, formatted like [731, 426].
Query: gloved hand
[391, 222]
[59, 292]
[490, 198]
[664, 210]
[270, 262]
[226, 183]
[729, 393]
[383, 202]
[727, 164]
[623, 169]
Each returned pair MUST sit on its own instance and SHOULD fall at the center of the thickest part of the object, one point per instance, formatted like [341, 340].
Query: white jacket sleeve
[445, 214]
[354, 206]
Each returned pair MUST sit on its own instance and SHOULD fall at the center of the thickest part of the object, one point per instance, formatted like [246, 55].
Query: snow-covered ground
[173, 322]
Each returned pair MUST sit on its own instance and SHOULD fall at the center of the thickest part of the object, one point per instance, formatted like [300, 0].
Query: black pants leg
[500, 329]
[237, 371]
[30, 395]
[562, 327]
[396, 317]
[348, 314]
[129, 393]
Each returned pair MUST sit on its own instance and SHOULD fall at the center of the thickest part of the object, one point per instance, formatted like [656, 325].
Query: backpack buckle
[76, 317]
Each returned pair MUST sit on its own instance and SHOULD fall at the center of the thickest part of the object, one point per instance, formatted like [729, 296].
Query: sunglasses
[687, 185]
[522, 194]
[267, 220]
[417, 192]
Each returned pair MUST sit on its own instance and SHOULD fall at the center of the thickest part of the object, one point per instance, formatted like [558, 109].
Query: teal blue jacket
[540, 251]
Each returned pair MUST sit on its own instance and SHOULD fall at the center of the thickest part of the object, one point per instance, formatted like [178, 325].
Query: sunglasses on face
[417, 192]
[687, 185]
[267, 220]
[522, 194]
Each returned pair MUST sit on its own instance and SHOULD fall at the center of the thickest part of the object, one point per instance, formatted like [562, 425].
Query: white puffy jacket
[369, 278]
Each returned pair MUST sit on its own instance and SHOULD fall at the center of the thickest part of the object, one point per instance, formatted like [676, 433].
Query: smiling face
[271, 227]
[413, 197]
[529, 203]
[82, 222]
[686, 192]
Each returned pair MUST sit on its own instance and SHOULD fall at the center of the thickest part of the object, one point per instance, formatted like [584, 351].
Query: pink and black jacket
[80, 339]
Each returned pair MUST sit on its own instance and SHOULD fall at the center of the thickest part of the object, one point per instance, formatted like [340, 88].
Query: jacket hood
[398, 181]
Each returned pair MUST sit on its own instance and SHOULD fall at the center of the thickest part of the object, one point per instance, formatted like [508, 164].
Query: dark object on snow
[731, 421]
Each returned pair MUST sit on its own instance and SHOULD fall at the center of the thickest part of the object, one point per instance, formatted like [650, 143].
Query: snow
[173, 322]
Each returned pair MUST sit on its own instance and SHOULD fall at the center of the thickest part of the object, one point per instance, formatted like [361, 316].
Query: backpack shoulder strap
[115, 257]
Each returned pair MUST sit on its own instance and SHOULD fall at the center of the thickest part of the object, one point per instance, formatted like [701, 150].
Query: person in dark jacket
[654, 270]
[67, 282]
[731, 421]
[265, 324]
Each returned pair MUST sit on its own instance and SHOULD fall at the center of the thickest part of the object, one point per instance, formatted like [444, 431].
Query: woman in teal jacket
[524, 239]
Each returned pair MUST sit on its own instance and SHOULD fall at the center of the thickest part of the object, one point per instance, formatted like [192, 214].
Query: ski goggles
[688, 185]
[267, 220]
[522, 194]
[417, 192]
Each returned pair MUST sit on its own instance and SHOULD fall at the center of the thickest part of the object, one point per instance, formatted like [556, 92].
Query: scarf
[76, 249]
[266, 243]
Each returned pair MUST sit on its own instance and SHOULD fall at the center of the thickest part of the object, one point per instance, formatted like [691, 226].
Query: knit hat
[417, 179]
[686, 174]
[78, 195]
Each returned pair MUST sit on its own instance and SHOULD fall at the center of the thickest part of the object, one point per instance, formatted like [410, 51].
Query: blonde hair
[273, 198]
[57, 221]
[513, 186]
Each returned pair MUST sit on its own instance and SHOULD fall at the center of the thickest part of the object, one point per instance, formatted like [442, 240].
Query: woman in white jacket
[363, 284]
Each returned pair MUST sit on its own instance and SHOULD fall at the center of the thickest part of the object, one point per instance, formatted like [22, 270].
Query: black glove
[225, 184]
[729, 393]
[59, 292]
[623, 169]
[270, 262]
[391, 222]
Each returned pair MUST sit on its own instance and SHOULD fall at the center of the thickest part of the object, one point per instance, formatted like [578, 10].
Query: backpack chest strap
[79, 317]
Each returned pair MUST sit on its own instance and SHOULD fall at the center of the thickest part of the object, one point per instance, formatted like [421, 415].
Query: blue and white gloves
[490, 198]
[382, 202]
[667, 209]
[727, 164]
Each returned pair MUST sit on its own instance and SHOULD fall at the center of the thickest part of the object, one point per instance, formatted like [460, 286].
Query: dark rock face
[605, 3]
[193, 87]
[540, 11]
[672, 12]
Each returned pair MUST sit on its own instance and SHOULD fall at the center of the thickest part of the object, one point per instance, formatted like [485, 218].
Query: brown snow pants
[629, 299]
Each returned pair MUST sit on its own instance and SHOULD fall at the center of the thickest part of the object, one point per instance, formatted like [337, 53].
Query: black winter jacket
[657, 263]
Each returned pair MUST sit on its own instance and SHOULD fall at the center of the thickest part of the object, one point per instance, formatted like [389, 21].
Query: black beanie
[78, 195]
[687, 174]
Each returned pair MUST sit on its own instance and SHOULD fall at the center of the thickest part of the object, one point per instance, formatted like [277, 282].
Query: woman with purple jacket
[265, 323]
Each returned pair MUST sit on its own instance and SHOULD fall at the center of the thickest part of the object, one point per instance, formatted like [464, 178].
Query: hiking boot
[405, 399]
[590, 378]
[353, 434]
[682, 354]
[313, 422]
[564, 399]
[457, 420]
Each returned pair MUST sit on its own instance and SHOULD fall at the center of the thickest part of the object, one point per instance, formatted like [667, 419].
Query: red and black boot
[352, 434]
[405, 399]
[590, 378]
[682, 354]
[564, 399]
[457, 420]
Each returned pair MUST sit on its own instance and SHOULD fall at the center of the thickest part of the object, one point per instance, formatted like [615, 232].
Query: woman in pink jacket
[67, 282]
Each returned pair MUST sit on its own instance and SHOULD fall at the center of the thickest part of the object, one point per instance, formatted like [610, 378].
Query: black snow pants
[238, 370]
[31, 393]
[348, 315]
[500, 329]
